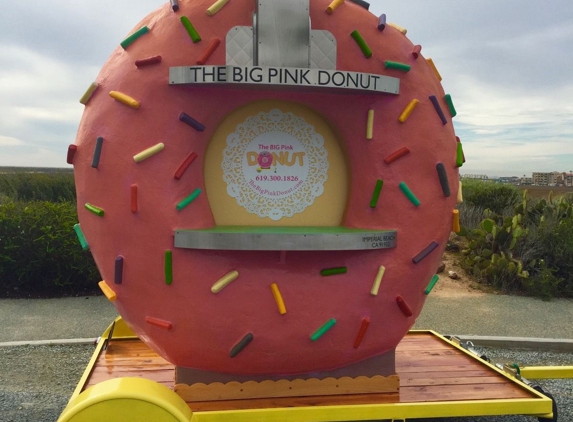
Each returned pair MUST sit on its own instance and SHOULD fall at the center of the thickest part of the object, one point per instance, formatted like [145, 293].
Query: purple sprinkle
[118, 276]
[185, 118]
[425, 252]
[97, 152]
[175, 5]
[434, 101]
[382, 22]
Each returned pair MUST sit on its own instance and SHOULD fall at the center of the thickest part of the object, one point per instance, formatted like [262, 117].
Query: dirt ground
[463, 286]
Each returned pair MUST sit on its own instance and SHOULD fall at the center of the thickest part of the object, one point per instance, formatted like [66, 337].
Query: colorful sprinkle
[168, 267]
[333, 271]
[118, 274]
[333, 6]
[456, 221]
[215, 7]
[433, 282]
[185, 118]
[89, 92]
[175, 5]
[409, 194]
[397, 66]
[381, 22]
[424, 253]
[376, 193]
[450, 103]
[81, 237]
[278, 298]
[463, 155]
[323, 329]
[131, 39]
[460, 198]
[96, 210]
[195, 37]
[185, 165]
[134, 205]
[404, 307]
[213, 45]
[416, 51]
[434, 68]
[161, 323]
[377, 281]
[188, 199]
[72, 149]
[149, 152]
[361, 43]
[459, 155]
[438, 109]
[408, 110]
[399, 28]
[397, 155]
[443, 177]
[148, 61]
[97, 152]
[107, 291]
[361, 332]
[370, 124]
[361, 3]
[224, 281]
[124, 99]
[240, 346]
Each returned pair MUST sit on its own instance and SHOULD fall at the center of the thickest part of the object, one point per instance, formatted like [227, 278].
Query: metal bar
[547, 372]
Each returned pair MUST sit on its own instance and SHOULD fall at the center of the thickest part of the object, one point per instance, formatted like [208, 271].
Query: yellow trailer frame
[109, 401]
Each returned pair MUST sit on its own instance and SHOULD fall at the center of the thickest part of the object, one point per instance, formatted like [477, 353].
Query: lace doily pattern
[275, 164]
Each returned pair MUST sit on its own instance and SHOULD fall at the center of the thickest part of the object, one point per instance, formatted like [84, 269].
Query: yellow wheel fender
[127, 400]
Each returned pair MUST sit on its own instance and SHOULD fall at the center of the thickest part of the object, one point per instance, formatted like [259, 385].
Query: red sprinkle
[396, 155]
[404, 306]
[416, 51]
[166, 325]
[71, 154]
[149, 61]
[183, 167]
[215, 42]
[134, 208]
[363, 327]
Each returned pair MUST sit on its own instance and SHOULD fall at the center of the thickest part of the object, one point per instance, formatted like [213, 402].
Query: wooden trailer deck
[437, 379]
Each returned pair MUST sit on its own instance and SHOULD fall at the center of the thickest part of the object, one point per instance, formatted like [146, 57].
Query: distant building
[546, 179]
[568, 179]
[474, 176]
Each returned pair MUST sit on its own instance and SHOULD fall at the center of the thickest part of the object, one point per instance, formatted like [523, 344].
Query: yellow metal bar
[547, 372]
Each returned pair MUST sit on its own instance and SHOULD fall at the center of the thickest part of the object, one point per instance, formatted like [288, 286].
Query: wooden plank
[462, 392]
[409, 381]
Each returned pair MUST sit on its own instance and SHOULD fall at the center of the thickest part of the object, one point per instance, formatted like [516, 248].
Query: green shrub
[54, 187]
[494, 196]
[39, 251]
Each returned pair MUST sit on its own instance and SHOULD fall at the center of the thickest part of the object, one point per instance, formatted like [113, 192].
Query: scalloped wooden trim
[284, 388]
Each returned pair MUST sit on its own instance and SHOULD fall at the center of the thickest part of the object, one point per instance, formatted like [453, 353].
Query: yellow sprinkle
[408, 110]
[125, 99]
[456, 222]
[370, 124]
[149, 152]
[89, 92]
[215, 7]
[460, 195]
[377, 281]
[224, 281]
[434, 68]
[399, 28]
[278, 298]
[110, 294]
[332, 6]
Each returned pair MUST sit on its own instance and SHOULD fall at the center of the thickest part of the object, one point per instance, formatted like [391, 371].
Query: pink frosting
[205, 325]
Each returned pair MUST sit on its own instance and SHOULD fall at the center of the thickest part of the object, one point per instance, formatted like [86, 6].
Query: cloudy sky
[507, 64]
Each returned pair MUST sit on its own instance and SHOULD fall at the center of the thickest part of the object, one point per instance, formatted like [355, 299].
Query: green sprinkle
[361, 43]
[81, 237]
[188, 200]
[376, 193]
[96, 210]
[168, 267]
[190, 29]
[333, 271]
[411, 197]
[450, 103]
[398, 66]
[435, 279]
[131, 39]
[322, 330]
[459, 155]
